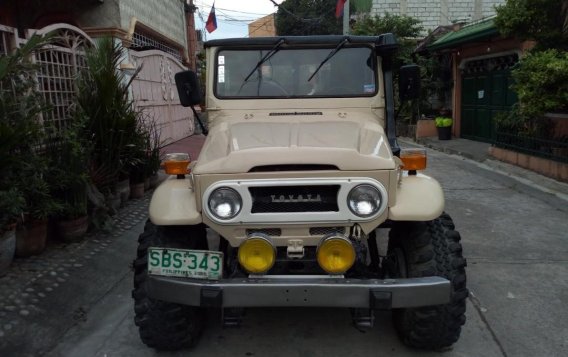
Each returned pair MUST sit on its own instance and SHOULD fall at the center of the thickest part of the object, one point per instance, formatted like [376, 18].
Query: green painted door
[485, 93]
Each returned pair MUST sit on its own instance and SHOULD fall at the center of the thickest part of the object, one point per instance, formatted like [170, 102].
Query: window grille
[59, 65]
[4, 42]
[142, 41]
[491, 64]
[3, 46]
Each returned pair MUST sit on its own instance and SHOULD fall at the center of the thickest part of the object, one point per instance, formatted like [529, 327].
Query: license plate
[197, 264]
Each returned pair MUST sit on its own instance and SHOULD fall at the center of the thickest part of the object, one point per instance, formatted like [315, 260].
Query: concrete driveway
[515, 240]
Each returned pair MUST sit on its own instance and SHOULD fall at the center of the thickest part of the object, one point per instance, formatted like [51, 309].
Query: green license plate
[197, 264]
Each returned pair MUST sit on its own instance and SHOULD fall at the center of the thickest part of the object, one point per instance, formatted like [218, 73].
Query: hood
[348, 145]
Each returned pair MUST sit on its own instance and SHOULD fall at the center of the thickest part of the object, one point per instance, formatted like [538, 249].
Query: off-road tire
[164, 325]
[430, 249]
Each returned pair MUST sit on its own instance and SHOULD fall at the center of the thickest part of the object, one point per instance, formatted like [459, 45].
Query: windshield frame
[285, 47]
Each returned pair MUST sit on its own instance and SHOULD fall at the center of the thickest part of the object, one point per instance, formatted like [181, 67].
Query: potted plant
[136, 159]
[11, 206]
[68, 179]
[31, 235]
[154, 157]
[21, 133]
[111, 116]
[444, 127]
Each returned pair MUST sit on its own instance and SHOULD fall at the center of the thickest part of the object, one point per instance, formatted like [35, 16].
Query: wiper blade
[331, 54]
[266, 57]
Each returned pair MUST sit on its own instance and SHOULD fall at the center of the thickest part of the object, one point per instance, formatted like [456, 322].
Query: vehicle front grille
[272, 232]
[285, 199]
[322, 231]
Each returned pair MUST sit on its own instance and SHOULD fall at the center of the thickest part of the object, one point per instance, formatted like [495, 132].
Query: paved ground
[74, 300]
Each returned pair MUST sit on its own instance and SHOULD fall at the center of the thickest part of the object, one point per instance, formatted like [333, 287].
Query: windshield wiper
[266, 57]
[331, 54]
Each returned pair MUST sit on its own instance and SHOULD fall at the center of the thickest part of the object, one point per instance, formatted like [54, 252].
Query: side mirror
[409, 82]
[188, 88]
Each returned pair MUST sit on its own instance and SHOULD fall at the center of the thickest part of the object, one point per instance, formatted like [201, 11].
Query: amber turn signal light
[176, 163]
[413, 159]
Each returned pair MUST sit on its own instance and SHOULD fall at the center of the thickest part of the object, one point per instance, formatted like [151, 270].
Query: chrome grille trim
[342, 216]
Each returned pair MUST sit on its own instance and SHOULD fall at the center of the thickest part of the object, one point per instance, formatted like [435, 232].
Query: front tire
[422, 249]
[164, 325]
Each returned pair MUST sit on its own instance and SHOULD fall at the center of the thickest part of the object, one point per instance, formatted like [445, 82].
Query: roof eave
[482, 35]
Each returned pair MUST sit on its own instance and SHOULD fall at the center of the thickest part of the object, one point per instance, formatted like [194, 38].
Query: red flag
[339, 8]
[211, 24]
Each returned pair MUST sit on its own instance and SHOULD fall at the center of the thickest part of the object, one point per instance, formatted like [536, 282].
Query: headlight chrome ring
[225, 203]
[364, 200]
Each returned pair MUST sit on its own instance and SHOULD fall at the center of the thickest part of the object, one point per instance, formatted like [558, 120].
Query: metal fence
[553, 149]
[60, 63]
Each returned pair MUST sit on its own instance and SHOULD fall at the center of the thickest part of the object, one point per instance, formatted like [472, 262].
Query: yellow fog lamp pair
[335, 254]
[413, 159]
[257, 254]
[176, 163]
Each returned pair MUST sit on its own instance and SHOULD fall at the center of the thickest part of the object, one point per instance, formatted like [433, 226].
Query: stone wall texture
[434, 13]
[165, 16]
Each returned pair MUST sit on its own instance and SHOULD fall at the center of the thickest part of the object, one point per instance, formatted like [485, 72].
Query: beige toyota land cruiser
[300, 169]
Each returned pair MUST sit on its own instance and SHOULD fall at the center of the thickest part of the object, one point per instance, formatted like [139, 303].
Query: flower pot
[123, 189]
[31, 238]
[137, 190]
[72, 230]
[146, 184]
[154, 180]
[7, 249]
[444, 133]
[114, 201]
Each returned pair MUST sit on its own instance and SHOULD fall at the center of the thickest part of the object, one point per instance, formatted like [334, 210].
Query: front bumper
[323, 291]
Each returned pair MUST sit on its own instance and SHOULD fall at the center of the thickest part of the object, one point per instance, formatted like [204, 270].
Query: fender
[418, 198]
[174, 204]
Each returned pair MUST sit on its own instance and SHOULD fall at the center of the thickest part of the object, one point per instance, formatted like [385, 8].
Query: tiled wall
[165, 16]
[434, 13]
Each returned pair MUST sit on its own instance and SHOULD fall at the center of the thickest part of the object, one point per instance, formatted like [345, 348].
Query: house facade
[157, 35]
[263, 27]
[434, 13]
[481, 61]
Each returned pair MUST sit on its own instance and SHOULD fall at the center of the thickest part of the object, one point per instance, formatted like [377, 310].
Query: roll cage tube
[389, 104]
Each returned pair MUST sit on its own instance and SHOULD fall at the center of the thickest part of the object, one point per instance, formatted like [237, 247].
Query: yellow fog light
[257, 255]
[335, 254]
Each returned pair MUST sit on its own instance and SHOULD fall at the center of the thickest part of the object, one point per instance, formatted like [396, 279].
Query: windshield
[350, 72]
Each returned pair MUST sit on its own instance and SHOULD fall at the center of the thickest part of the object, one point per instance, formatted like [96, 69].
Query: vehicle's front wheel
[164, 325]
[422, 249]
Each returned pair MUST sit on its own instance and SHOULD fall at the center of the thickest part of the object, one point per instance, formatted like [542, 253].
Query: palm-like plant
[111, 118]
[21, 134]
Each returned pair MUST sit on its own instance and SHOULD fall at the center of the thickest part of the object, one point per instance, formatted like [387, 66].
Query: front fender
[173, 204]
[418, 198]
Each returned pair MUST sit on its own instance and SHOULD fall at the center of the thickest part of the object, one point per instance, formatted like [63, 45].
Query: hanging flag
[339, 8]
[211, 24]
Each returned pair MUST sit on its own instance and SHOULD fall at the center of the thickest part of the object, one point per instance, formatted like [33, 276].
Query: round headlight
[364, 200]
[225, 203]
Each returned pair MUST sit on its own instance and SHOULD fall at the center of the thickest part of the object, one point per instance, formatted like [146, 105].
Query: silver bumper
[314, 291]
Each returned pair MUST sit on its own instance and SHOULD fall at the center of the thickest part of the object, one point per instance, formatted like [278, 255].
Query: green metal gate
[485, 93]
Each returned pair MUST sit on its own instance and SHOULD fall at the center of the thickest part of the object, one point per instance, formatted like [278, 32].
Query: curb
[527, 178]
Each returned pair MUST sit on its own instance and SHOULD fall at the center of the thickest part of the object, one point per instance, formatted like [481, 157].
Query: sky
[233, 16]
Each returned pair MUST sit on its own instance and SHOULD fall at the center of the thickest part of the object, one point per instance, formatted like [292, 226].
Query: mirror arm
[203, 129]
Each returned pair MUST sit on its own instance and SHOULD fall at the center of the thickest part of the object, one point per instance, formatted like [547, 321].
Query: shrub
[443, 122]
[541, 83]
